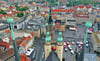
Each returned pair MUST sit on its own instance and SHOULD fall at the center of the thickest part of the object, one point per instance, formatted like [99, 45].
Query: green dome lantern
[60, 39]
[48, 33]
[53, 22]
[10, 20]
[60, 33]
[48, 38]
[88, 24]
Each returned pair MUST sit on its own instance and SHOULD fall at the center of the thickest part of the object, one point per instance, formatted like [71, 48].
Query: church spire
[50, 21]
[60, 39]
[48, 37]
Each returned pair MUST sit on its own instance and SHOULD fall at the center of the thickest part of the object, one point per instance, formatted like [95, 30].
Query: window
[15, 27]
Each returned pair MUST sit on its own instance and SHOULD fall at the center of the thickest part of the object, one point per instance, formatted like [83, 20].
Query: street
[39, 48]
[68, 36]
[79, 36]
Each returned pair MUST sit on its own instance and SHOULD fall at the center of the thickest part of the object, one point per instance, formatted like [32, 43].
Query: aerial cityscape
[49, 30]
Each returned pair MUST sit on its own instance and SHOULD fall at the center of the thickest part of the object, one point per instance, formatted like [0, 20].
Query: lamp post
[88, 24]
[17, 57]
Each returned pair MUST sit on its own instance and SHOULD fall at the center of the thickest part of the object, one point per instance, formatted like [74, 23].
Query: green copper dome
[10, 20]
[48, 38]
[60, 39]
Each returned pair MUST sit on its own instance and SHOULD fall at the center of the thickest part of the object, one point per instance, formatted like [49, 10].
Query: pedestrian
[89, 49]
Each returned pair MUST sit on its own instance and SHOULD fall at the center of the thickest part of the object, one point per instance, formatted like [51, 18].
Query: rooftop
[7, 54]
[18, 20]
[3, 26]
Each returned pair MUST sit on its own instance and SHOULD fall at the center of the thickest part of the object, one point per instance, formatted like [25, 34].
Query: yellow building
[96, 41]
[57, 49]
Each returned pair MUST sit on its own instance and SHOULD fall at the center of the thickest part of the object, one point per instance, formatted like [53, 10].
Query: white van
[29, 51]
[72, 28]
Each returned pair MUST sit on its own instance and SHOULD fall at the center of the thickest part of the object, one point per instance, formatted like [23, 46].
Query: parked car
[80, 42]
[87, 42]
[69, 46]
[68, 43]
[73, 28]
[73, 43]
[65, 49]
[87, 45]
[90, 30]
[64, 46]
[34, 54]
[72, 52]
[79, 45]
[29, 51]
[64, 43]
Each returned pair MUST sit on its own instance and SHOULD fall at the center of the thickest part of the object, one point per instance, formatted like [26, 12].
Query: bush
[2, 12]
[20, 14]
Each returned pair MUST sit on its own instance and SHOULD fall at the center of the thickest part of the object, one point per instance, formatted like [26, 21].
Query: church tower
[59, 46]
[47, 45]
[50, 25]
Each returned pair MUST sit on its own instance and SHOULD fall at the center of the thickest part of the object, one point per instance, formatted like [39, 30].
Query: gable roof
[52, 57]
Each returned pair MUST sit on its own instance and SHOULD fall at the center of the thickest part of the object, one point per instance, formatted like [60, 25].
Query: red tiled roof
[57, 23]
[25, 58]
[32, 34]
[57, 26]
[10, 7]
[16, 11]
[10, 38]
[63, 10]
[9, 15]
[88, 6]
[25, 12]
[25, 41]
[8, 30]
[1, 15]
[81, 6]
[4, 44]
[7, 54]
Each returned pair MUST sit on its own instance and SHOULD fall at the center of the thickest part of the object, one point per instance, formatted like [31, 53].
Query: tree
[21, 9]
[20, 14]
[2, 12]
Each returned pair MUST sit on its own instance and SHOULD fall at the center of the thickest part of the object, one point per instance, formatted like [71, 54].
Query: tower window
[15, 26]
